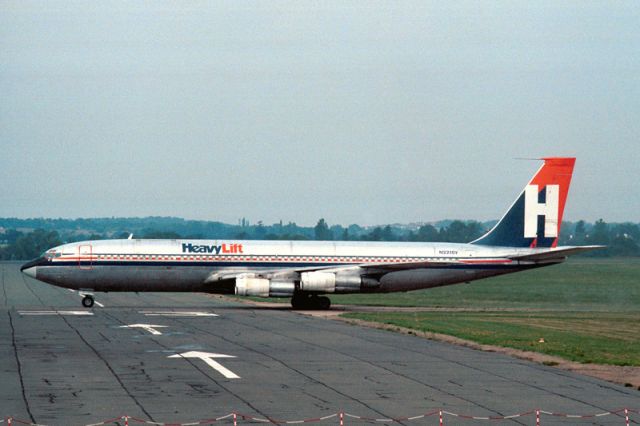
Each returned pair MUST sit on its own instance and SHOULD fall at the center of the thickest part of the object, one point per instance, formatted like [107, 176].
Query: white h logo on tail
[533, 209]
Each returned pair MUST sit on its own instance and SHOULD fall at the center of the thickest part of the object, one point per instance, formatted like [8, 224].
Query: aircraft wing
[554, 254]
[368, 268]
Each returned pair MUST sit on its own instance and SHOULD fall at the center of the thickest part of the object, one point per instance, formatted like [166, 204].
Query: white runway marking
[151, 328]
[207, 357]
[79, 313]
[177, 314]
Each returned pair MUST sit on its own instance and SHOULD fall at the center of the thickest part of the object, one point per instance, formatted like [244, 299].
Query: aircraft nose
[30, 271]
[31, 268]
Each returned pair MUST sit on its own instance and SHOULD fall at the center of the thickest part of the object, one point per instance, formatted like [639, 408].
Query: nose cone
[31, 271]
[31, 268]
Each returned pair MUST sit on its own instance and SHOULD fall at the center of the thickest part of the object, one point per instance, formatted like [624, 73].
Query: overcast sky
[358, 112]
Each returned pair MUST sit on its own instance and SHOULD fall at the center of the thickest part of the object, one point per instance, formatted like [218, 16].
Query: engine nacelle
[312, 282]
[263, 287]
[323, 282]
[330, 282]
[249, 286]
[281, 288]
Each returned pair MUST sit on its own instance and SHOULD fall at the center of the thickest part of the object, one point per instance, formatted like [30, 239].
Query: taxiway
[180, 357]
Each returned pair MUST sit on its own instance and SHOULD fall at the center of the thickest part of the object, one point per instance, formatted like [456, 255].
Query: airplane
[306, 271]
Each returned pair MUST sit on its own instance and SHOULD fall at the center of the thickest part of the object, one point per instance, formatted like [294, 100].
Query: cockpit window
[50, 254]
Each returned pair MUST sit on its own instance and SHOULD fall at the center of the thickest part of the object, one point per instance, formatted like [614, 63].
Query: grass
[577, 336]
[608, 285]
[586, 310]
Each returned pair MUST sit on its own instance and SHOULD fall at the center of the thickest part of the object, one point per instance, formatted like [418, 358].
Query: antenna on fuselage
[130, 236]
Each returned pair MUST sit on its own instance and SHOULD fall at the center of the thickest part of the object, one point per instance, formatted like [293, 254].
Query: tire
[87, 301]
[299, 301]
[324, 303]
[311, 302]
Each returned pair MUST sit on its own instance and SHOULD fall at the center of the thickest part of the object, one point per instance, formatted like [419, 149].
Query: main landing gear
[310, 301]
[87, 301]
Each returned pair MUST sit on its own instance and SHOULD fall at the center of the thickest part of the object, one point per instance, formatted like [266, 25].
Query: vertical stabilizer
[534, 219]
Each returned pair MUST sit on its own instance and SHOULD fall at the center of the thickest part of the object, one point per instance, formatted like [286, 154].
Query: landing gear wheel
[310, 301]
[87, 301]
[299, 301]
[324, 303]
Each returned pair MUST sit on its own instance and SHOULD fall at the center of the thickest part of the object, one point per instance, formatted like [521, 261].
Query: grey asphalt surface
[62, 369]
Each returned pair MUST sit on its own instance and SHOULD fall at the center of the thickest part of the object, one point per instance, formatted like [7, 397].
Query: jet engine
[331, 282]
[309, 282]
[263, 287]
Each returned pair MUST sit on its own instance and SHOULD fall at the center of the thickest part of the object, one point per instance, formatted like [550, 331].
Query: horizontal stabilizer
[557, 253]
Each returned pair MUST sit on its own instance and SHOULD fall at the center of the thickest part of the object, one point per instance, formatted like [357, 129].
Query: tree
[624, 242]
[579, 233]
[321, 231]
[461, 232]
[33, 244]
[387, 234]
[427, 233]
[259, 231]
[599, 233]
[161, 235]
[375, 235]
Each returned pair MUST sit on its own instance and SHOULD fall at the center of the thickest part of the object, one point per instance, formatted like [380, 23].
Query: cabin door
[85, 256]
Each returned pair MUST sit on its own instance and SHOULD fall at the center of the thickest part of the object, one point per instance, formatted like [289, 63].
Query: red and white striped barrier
[288, 422]
[106, 422]
[234, 417]
[395, 420]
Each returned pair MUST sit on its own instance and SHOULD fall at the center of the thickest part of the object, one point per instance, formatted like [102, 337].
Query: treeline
[71, 230]
[621, 239]
[27, 238]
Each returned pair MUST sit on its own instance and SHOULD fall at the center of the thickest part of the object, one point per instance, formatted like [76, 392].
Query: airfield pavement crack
[316, 381]
[4, 288]
[15, 351]
[409, 378]
[31, 290]
[533, 365]
[537, 367]
[199, 369]
[106, 363]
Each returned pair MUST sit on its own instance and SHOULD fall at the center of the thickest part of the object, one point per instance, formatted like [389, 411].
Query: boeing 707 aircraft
[526, 237]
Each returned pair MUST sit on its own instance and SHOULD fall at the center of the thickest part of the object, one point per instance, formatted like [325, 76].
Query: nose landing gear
[87, 301]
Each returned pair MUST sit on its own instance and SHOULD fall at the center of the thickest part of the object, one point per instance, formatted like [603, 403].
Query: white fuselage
[215, 265]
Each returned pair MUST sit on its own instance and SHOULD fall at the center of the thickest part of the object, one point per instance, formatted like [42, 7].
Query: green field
[607, 285]
[601, 338]
[586, 310]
